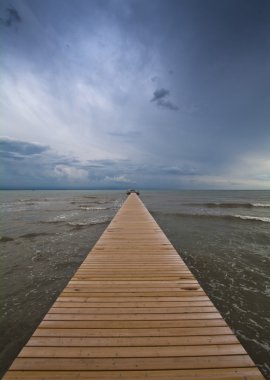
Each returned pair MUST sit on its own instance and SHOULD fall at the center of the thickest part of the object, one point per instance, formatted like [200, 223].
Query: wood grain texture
[133, 310]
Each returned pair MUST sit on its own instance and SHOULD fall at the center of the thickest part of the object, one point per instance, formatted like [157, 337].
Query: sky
[165, 94]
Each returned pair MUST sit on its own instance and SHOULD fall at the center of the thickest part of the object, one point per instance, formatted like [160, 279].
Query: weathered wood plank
[130, 317]
[140, 363]
[161, 300]
[138, 305]
[177, 332]
[133, 324]
[132, 310]
[80, 293]
[131, 352]
[203, 374]
[131, 341]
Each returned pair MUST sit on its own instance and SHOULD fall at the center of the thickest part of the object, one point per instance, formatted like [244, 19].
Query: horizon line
[120, 189]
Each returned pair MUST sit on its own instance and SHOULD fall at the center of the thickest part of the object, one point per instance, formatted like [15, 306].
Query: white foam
[248, 217]
[261, 204]
[93, 208]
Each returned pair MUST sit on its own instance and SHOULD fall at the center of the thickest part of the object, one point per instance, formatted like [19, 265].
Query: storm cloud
[166, 94]
[17, 148]
[12, 17]
[160, 98]
[160, 94]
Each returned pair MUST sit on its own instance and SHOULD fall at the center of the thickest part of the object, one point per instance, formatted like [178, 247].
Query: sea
[223, 236]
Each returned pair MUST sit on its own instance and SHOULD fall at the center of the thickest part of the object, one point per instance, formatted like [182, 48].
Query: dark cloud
[159, 94]
[11, 18]
[160, 99]
[17, 149]
[10, 156]
[209, 60]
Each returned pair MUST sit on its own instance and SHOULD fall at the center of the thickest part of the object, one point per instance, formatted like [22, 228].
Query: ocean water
[224, 237]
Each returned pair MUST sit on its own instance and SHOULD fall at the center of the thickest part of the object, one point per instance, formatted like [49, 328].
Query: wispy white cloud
[70, 173]
[118, 179]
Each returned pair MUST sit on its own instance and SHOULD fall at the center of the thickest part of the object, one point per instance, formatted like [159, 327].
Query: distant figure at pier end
[130, 191]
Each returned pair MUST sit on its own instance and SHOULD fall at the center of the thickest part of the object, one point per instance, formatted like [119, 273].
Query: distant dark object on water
[133, 191]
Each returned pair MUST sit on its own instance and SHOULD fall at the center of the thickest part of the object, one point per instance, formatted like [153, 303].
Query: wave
[87, 208]
[80, 225]
[52, 222]
[218, 216]
[230, 205]
[4, 239]
[256, 218]
[34, 235]
[261, 204]
[26, 200]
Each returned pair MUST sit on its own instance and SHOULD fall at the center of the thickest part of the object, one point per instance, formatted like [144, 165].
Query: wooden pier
[133, 310]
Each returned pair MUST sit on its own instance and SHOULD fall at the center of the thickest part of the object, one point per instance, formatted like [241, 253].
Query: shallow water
[223, 236]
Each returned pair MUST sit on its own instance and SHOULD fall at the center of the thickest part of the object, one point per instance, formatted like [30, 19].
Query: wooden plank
[133, 324]
[140, 363]
[131, 352]
[133, 310]
[130, 317]
[80, 293]
[117, 305]
[203, 374]
[130, 277]
[132, 287]
[106, 283]
[136, 332]
[131, 341]
[225, 374]
[161, 300]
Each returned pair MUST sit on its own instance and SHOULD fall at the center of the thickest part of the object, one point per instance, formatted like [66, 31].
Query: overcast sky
[135, 93]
